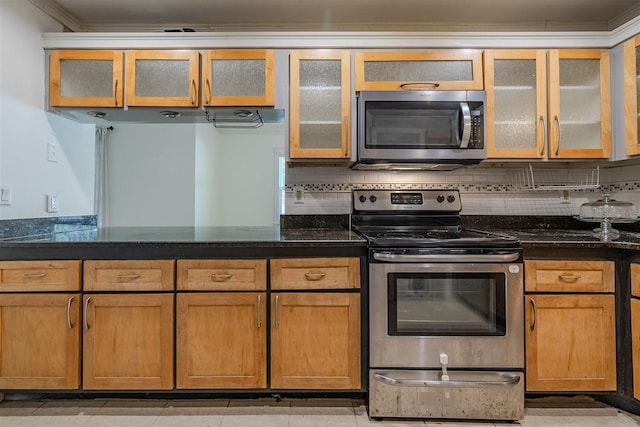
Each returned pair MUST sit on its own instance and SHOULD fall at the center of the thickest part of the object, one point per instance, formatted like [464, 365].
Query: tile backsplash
[484, 190]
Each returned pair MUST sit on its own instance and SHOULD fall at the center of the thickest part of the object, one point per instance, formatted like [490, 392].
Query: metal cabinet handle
[193, 93]
[84, 313]
[419, 85]
[544, 134]
[34, 275]
[115, 92]
[570, 277]
[346, 135]
[128, 276]
[69, 324]
[557, 121]
[277, 320]
[535, 313]
[221, 277]
[258, 311]
[313, 277]
[207, 89]
[507, 379]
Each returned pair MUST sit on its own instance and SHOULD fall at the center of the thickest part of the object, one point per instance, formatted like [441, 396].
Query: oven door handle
[508, 380]
[391, 257]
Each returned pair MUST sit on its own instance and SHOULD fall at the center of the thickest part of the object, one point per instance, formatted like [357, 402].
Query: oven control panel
[445, 201]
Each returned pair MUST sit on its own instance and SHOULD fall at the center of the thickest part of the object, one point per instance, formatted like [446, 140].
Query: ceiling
[341, 15]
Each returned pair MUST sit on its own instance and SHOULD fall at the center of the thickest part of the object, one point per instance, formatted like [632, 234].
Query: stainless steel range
[446, 310]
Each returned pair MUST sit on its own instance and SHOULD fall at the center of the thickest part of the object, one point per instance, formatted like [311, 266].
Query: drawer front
[635, 280]
[39, 276]
[138, 275]
[315, 273]
[222, 275]
[569, 276]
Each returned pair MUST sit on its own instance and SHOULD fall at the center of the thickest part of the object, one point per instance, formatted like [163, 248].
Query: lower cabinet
[570, 334]
[221, 340]
[40, 330]
[40, 341]
[128, 338]
[315, 341]
[635, 327]
[315, 323]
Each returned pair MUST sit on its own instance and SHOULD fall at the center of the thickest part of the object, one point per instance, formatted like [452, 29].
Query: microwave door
[466, 125]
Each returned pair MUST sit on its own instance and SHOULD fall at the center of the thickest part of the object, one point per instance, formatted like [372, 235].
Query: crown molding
[59, 13]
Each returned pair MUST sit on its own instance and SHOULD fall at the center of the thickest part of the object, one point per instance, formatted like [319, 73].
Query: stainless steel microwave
[433, 130]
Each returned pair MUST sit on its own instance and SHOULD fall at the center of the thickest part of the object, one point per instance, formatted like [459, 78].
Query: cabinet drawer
[39, 276]
[222, 275]
[315, 273]
[138, 275]
[635, 280]
[569, 276]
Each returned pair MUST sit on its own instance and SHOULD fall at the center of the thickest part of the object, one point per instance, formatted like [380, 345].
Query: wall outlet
[564, 197]
[298, 195]
[52, 203]
[52, 152]
[5, 195]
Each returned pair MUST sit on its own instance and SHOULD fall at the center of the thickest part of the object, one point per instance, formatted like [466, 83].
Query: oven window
[452, 304]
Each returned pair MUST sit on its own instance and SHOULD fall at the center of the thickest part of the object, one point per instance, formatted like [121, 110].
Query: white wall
[246, 191]
[26, 129]
[150, 177]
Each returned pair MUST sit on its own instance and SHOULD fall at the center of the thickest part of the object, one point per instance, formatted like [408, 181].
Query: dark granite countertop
[219, 235]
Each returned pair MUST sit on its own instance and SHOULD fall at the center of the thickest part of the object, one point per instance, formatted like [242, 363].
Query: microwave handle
[466, 125]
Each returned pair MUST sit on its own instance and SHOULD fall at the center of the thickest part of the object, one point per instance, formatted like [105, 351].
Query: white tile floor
[270, 413]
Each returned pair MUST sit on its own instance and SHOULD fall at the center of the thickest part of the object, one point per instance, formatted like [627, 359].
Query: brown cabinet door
[40, 341]
[635, 345]
[631, 95]
[221, 340]
[570, 342]
[579, 104]
[569, 276]
[86, 78]
[320, 104]
[315, 273]
[128, 342]
[163, 78]
[40, 276]
[315, 341]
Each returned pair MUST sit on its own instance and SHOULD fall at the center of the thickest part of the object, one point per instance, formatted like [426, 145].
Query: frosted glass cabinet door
[516, 116]
[163, 78]
[238, 78]
[579, 104]
[632, 95]
[427, 70]
[320, 104]
[86, 78]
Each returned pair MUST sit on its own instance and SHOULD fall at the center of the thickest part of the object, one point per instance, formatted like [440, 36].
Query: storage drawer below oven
[480, 395]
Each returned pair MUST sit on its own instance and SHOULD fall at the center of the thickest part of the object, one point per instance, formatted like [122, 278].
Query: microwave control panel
[476, 139]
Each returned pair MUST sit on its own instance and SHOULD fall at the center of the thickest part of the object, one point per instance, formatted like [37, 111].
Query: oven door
[472, 312]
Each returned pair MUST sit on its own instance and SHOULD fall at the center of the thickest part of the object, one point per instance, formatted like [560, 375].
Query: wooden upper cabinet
[163, 78]
[635, 280]
[320, 104]
[516, 111]
[579, 104]
[419, 70]
[632, 95]
[238, 78]
[86, 78]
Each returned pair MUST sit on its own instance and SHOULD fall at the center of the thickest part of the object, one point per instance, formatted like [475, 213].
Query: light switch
[5, 195]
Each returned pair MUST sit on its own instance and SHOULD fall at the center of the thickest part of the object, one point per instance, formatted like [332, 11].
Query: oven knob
[373, 199]
[362, 199]
[451, 199]
[440, 198]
